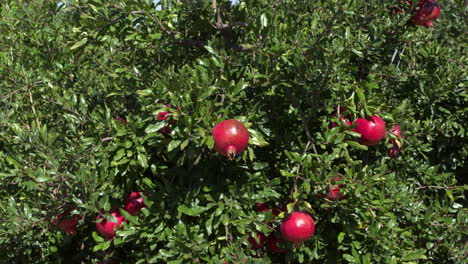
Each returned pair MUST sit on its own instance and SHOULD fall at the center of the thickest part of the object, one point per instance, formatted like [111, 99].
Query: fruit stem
[231, 152]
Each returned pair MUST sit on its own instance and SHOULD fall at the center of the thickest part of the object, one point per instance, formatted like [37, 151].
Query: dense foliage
[84, 86]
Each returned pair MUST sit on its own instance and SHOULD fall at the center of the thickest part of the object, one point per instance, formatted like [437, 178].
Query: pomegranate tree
[297, 227]
[372, 130]
[107, 227]
[134, 203]
[425, 13]
[230, 137]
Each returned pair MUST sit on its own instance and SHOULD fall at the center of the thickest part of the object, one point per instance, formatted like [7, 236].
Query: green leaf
[417, 254]
[356, 145]
[341, 236]
[153, 128]
[97, 238]
[173, 145]
[286, 173]
[263, 21]
[256, 138]
[79, 43]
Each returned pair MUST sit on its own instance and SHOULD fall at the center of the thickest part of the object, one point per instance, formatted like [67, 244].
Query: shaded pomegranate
[107, 227]
[372, 130]
[344, 120]
[231, 137]
[333, 192]
[121, 119]
[404, 6]
[297, 227]
[396, 148]
[68, 223]
[262, 207]
[261, 240]
[164, 116]
[134, 203]
[273, 241]
[283, 208]
[425, 13]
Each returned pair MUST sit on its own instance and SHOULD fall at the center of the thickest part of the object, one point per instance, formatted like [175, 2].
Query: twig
[441, 187]
[303, 119]
[106, 139]
[32, 105]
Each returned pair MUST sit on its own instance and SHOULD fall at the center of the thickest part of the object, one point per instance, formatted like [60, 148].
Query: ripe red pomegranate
[261, 240]
[231, 137]
[297, 227]
[425, 13]
[134, 203]
[273, 241]
[396, 149]
[67, 222]
[107, 227]
[372, 130]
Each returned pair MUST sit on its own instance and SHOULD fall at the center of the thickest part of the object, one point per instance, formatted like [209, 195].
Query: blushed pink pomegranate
[261, 240]
[134, 203]
[230, 137]
[107, 227]
[273, 241]
[67, 222]
[425, 13]
[372, 130]
[297, 227]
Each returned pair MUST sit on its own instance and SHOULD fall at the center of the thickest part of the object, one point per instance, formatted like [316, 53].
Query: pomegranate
[372, 130]
[262, 207]
[426, 12]
[107, 228]
[333, 192]
[344, 120]
[273, 241]
[164, 116]
[121, 119]
[231, 137]
[396, 149]
[66, 222]
[134, 203]
[406, 5]
[297, 227]
[261, 240]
